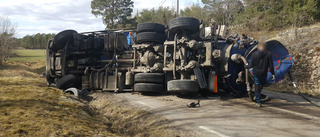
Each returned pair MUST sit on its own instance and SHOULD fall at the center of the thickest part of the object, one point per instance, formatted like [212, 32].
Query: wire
[172, 3]
[161, 3]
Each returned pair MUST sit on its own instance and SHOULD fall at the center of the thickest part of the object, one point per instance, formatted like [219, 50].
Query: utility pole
[177, 8]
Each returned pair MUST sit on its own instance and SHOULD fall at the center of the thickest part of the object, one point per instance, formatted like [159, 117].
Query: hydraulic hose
[174, 55]
[247, 74]
[114, 56]
[106, 66]
[236, 58]
[300, 93]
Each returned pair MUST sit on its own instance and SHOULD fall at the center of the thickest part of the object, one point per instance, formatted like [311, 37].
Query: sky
[53, 16]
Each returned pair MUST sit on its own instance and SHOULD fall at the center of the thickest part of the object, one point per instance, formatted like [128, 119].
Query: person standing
[261, 61]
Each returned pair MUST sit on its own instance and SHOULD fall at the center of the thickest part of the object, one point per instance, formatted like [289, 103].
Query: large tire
[150, 37]
[61, 39]
[184, 23]
[67, 81]
[148, 87]
[151, 27]
[149, 78]
[186, 86]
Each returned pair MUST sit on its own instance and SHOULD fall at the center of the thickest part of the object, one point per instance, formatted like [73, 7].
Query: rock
[310, 51]
[99, 135]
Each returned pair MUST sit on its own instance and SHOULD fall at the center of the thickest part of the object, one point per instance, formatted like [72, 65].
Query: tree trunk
[112, 23]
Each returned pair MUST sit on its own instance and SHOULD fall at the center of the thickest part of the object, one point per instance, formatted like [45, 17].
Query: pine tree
[113, 12]
[125, 16]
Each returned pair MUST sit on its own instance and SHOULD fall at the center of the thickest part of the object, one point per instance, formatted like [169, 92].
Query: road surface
[286, 115]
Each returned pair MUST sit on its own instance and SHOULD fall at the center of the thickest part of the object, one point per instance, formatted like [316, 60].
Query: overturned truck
[184, 57]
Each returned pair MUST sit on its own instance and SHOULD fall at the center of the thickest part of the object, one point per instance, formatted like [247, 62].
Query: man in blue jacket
[261, 61]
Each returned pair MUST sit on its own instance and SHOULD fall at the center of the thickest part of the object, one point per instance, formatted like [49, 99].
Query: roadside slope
[29, 108]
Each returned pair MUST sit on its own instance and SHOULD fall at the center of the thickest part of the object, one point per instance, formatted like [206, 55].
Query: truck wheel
[150, 37]
[184, 23]
[61, 39]
[183, 86]
[148, 87]
[149, 78]
[151, 27]
[68, 81]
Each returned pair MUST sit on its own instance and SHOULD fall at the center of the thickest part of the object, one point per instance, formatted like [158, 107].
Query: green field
[29, 55]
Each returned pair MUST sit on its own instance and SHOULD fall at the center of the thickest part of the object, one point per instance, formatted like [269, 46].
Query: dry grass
[33, 110]
[29, 108]
[257, 35]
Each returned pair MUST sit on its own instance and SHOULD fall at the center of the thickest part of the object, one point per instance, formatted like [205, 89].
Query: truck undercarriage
[184, 57]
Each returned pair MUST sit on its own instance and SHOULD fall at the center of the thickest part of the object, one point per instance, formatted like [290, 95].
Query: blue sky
[53, 16]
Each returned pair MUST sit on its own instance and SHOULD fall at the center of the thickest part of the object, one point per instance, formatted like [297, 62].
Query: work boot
[258, 105]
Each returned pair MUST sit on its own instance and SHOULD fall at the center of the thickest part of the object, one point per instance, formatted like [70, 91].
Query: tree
[7, 38]
[223, 11]
[37, 41]
[125, 15]
[259, 14]
[277, 14]
[301, 12]
[146, 15]
[161, 15]
[196, 11]
[113, 12]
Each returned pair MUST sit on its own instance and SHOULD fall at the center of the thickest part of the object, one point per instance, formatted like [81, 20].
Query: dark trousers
[258, 82]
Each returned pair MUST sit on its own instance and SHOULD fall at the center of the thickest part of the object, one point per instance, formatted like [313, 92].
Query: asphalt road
[286, 115]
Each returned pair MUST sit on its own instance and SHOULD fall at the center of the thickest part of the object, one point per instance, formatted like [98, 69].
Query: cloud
[37, 16]
[41, 16]
[148, 4]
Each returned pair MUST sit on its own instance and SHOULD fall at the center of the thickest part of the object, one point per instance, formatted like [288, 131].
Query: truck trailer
[184, 57]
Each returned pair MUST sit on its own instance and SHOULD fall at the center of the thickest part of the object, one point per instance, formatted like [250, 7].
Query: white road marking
[212, 131]
[144, 104]
[316, 119]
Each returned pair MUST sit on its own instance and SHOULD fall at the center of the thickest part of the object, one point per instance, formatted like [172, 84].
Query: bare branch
[7, 38]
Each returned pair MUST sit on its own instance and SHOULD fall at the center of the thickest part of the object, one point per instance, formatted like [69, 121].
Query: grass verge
[29, 108]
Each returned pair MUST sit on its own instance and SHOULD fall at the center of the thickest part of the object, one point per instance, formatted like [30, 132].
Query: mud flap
[201, 79]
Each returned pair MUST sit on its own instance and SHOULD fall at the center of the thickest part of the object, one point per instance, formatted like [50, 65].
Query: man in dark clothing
[261, 61]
